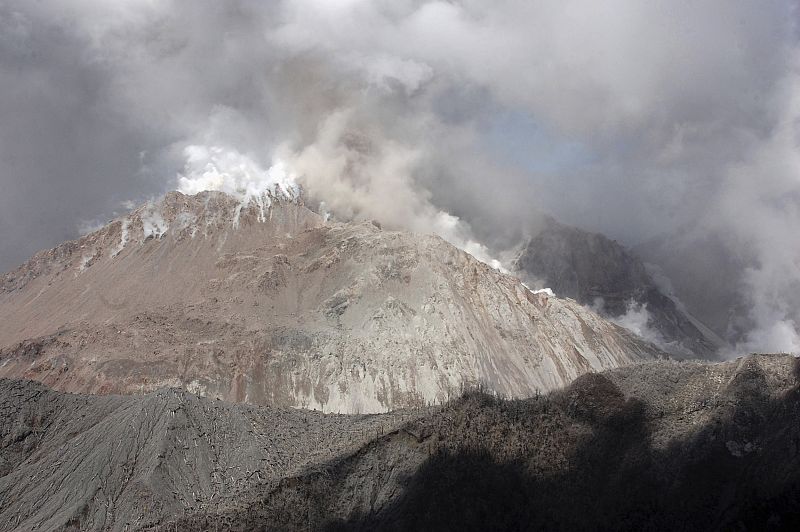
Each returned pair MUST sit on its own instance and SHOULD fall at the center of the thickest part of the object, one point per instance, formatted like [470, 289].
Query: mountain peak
[265, 301]
[601, 273]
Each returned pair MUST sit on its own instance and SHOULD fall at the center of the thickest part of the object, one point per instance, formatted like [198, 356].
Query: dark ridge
[661, 446]
[588, 267]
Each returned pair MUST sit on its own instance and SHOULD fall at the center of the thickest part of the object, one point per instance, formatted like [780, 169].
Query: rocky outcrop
[263, 301]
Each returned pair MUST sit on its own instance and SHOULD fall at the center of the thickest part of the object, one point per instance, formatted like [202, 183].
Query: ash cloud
[665, 125]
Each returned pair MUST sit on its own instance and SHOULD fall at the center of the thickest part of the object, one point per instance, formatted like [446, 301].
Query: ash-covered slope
[266, 302]
[122, 462]
[655, 446]
[599, 272]
[662, 445]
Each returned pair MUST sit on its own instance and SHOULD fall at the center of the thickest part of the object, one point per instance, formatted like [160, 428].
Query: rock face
[122, 462]
[662, 445]
[599, 272]
[263, 301]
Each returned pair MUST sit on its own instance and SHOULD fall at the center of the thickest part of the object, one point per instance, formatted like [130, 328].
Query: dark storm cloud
[637, 119]
[64, 151]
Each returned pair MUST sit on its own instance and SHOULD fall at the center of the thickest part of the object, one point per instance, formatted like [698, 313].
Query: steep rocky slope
[662, 445]
[121, 462]
[599, 272]
[264, 301]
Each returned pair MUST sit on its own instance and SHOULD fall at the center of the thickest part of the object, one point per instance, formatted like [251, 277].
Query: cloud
[226, 170]
[637, 320]
[464, 118]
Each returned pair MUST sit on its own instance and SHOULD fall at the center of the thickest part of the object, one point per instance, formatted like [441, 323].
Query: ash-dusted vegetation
[660, 446]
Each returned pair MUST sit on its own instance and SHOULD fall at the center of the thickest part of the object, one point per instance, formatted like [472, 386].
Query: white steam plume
[226, 170]
[464, 118]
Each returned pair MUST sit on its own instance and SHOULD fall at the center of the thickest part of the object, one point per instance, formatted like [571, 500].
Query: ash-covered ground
[655, 446]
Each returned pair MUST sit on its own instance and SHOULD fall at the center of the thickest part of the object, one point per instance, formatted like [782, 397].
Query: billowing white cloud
[226, 170]
[464, 118]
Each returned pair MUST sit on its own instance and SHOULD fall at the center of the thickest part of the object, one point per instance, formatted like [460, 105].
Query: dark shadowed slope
[660, 446]
[599, 272]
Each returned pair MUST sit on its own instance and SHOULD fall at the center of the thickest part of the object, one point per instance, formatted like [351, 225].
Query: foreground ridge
[633, 448]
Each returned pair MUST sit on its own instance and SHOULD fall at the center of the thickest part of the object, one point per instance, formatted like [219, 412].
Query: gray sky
[638, 119]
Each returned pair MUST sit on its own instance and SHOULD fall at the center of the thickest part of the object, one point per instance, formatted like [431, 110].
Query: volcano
[262, 300]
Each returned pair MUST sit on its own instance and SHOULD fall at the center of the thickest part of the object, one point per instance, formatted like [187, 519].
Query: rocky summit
[262, 300]
[601, 273]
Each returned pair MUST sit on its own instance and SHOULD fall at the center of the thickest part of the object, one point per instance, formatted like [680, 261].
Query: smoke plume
[670, 126]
